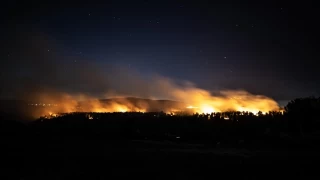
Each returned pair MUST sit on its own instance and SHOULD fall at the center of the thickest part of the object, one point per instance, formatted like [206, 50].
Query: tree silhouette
[303, 113]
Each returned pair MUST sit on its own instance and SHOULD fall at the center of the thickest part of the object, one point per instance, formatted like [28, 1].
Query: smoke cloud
[37, 72]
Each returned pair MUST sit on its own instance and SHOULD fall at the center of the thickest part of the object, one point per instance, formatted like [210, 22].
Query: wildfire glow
[206, 109]
[191, 107]
[231, 101]
[188, 98]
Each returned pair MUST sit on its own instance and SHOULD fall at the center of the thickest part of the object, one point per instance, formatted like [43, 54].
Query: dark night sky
[266, 48]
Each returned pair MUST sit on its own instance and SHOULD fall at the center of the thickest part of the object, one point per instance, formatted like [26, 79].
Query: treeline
[299, 119]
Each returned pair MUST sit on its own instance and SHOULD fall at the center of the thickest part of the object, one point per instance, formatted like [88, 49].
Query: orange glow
[203, 102]
[188, 98]
[207, 109]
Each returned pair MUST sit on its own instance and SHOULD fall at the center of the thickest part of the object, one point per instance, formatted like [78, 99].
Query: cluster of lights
[42, 104]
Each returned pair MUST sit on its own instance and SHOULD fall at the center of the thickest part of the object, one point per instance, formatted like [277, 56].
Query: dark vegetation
[158, 145]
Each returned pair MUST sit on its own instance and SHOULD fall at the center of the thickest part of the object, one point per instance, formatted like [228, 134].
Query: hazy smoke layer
[37, 73]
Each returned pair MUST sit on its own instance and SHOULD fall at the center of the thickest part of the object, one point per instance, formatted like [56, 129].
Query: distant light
[178, 137]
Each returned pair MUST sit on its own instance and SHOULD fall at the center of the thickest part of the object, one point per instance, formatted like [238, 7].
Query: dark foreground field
[84, 149]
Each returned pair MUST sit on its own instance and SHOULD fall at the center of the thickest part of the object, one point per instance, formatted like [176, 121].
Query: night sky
[265, 48]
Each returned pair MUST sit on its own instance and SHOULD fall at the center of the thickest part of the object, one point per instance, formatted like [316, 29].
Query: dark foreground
[128, 159]
[63, 150]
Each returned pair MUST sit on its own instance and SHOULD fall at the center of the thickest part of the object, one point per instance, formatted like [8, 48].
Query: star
[237, 25]
[225, 57]
[89, 14]
[48, 50]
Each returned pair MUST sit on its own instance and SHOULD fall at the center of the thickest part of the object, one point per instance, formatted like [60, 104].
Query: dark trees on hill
[304, 114]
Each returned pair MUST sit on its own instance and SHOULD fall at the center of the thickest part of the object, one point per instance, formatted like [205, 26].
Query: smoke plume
[37, 72]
